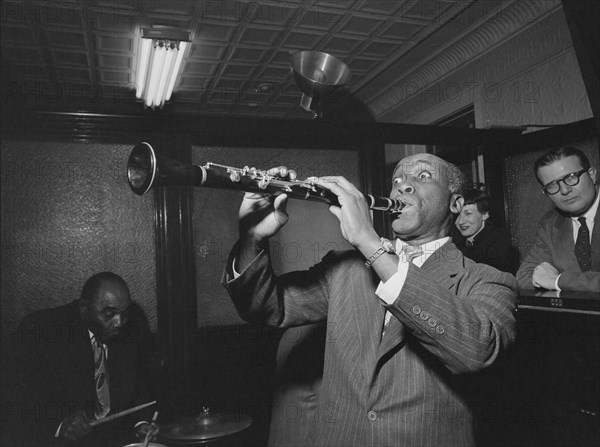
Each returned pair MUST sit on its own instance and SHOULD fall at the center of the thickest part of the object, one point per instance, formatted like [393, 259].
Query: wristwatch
[386, 246]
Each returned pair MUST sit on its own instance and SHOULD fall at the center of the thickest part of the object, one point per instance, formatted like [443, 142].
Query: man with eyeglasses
[565, 254]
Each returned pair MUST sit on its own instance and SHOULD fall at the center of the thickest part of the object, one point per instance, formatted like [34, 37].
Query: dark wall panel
[67, 213]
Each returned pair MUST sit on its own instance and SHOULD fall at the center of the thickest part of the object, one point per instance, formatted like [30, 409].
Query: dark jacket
[491, 246]
[52, 375]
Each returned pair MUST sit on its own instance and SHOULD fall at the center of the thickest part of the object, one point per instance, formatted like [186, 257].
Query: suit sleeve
[466, 330]
[568, 281]
[579, 281]
[540, 252]
[293, 299]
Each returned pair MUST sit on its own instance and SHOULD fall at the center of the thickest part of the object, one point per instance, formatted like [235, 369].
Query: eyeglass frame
[577, 175]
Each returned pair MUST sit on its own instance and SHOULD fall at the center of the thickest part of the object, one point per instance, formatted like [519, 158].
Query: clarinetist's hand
[260, 218]
[354, 215]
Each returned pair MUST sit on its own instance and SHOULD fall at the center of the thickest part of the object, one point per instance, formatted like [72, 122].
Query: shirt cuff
[556, 282]
[388, 291]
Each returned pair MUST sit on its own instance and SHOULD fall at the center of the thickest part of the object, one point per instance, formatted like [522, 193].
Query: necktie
[469, 242]
[583, 249]
[101, 379]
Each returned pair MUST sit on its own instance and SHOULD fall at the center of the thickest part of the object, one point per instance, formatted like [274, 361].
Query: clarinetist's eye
[424, 176]
[396, 181]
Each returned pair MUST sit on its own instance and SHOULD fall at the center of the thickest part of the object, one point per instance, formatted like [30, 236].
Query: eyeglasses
[571, 179]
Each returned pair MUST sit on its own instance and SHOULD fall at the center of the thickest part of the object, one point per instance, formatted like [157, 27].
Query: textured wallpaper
[67, 213]
[310, 233]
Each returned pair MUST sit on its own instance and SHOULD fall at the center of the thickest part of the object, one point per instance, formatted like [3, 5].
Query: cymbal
[207, 425]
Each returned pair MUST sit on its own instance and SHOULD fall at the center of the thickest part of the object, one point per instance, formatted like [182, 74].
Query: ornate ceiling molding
[476, 41]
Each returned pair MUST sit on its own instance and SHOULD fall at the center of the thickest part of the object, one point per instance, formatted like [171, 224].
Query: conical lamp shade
[317, 74]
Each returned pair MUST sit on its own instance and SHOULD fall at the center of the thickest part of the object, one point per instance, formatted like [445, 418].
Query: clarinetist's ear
[456, 203]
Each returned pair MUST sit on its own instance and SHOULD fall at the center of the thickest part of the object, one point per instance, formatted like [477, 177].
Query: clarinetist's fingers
[279, 171]
[283, 173]
[255, 195]
[340, 181]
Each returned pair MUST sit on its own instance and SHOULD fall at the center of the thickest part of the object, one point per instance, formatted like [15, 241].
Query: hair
[477, 197]
[558, 154]
[95, 282]
[456, 179]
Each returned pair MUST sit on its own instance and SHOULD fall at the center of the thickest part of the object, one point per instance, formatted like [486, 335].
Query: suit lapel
[443, 265]
[563, 237]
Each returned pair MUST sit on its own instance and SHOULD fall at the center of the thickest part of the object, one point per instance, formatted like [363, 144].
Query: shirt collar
[428, 248]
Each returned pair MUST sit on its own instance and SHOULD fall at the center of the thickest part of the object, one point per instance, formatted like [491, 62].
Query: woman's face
[470, 220]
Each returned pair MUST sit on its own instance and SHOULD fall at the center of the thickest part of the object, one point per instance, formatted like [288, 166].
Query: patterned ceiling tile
[260, 36]
[380, 49]
[170, 7]
[360, 64]
[236, 44]
[123, 23]
[74, 74]
[213, 32]
[302, 40]
[361, 26]
[274, 73]
[114, 77]
[320, 19]
[27, 56]
[248, 54]
[21, 35]
[193, 82]
[401, 31]
[277, 14]
[31, 72]
[201, 68]
[239, 70]
[66, 39]
[386, 7]
[114, 43]
[282, 57]
[205, 51]
[427, 9]
[70, 58]
[115, 61]
[341, 46]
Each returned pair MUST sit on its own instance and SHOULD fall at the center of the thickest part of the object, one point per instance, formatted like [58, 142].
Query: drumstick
[121, 413]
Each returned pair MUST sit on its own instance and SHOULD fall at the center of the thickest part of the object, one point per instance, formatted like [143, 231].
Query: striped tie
[101, 379]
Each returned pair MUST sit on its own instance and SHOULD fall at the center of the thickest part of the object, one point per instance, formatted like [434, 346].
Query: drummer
[78, 363]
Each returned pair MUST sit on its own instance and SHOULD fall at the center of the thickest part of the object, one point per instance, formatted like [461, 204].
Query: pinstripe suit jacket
[411, 388]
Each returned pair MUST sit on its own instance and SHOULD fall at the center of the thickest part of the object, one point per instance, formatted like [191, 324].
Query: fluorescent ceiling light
[161, 53]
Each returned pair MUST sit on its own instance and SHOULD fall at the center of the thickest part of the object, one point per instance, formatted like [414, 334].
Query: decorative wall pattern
[67, 213]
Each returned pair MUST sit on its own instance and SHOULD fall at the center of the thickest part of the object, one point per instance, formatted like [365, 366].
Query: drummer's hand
[261, 216]
[353, 213]
[75, 427]
[143, 429]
